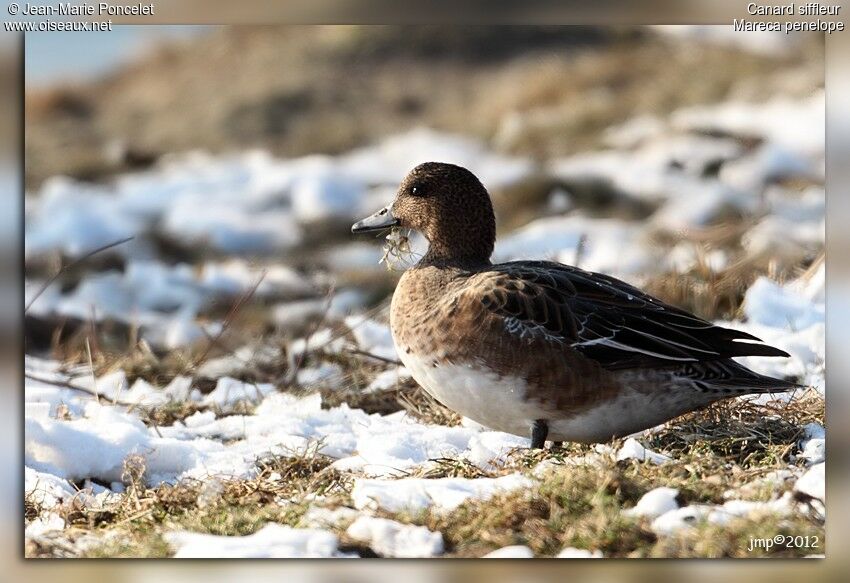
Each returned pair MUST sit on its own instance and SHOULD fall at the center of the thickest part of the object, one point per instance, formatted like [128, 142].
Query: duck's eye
[417, 191]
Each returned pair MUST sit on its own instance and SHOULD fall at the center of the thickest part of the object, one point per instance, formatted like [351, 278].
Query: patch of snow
[230, 228]
[774, 480]
[610, 245]
[684, 256]
[633, 450]
[675, 520]
[786, 241]
[813, 482]
[445, 494]
[96, 445]
[755, 509]
[391, 159]
[490, 449]
[326, 374]
[655, 503]
[770, 304]
[44, 524]
[179, 389]
[813, 444]
[388, 379]
[236, 277]
[635, 130]
[46, 490]
[76, 218]
[273, 541]
[353, 257]
[685, 517]
[511, 552]
[321, 339]
[574, 553]
[390, 538]
[325, 194]
[702, 206]
[392, 445]
[229, 391]
[802, 130]
[768, 164]
[372, 336]
[770, 43]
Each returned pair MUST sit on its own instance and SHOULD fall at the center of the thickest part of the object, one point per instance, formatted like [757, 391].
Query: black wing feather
[611, 321]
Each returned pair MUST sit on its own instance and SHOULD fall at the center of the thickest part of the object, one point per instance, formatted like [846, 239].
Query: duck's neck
[468, 257]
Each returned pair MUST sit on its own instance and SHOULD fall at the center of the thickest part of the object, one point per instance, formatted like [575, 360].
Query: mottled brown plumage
[540, 345]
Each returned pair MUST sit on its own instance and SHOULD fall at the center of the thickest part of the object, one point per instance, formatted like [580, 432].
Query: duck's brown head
[449, 206]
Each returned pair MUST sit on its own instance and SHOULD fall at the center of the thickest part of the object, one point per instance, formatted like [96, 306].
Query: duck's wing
[601, 317]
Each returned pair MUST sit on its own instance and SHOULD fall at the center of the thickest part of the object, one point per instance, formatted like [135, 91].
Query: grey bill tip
[383, 219]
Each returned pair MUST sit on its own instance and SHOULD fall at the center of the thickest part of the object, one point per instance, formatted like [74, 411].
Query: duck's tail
[729, 378]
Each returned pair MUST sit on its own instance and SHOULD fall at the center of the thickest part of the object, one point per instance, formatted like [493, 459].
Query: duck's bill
[383, 219]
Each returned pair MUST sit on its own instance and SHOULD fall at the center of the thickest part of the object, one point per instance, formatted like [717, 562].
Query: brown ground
[298, 90]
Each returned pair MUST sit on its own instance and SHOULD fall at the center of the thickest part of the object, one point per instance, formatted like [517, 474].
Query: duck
[540, 349]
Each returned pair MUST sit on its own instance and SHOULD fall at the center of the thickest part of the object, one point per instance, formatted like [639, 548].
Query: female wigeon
[541, 348]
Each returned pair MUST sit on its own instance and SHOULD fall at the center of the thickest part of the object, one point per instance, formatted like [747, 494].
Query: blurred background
[676, 157]
[687, 159]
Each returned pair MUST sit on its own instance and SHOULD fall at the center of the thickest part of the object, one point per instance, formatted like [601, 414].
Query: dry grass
[133, 526]
[724, 448]
[748, 435]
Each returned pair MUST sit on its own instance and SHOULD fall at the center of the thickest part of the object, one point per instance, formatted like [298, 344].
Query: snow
[610, 245]
[326, 374]
[574, 553]
[790, 317]
[229, 391]
[769, 43]
[388, 379]
[389, 538]
[46, 489]
[44, 524]
[372, 337]
[686, 517]
[388, 161]
[273, 541]
[632, 450]
[490, 449]
[770, 304]
[756, 509]
[767, 164]
[325, 194]
[785, 240]
[392, 445]
[708, 203]
[96, 445]
[813, 445]
[97, 438]
[675, 520]
[165, 300]
[655, 503]
[511, 552]
[444, 494]
[813, 482]
[241, 203]
[802, 131]
[75, 218]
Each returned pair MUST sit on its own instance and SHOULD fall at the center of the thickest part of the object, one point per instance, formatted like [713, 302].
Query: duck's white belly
[500, 402]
